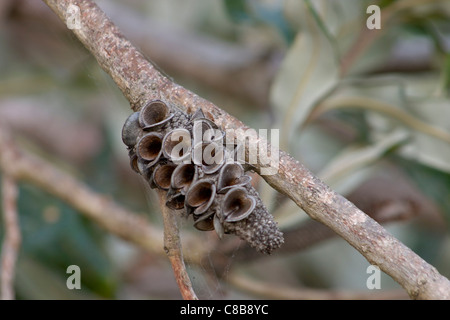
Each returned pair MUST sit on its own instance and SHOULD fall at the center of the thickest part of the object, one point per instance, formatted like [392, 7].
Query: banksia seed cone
[186, 156]
[258, 228]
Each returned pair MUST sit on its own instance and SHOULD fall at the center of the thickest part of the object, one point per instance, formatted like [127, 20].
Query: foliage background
[374, 126]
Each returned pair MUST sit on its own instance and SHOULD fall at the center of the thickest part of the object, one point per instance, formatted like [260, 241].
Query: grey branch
[11, 243]
[140, 81]
[172, 246]
[20, 165]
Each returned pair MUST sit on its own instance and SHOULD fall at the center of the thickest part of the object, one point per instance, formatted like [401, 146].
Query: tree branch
[140, 81]
[11, 243]
[240, 71]
[172, 247]
[22, 166]
[62, 137]
[386, 198]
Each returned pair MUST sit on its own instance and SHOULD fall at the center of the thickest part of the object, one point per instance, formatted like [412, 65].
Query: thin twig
[172, 247]
[204, 59]
[11, 243]
[117, 220]
[108, 214]
[140, 82]
[239, 70]
[60, 135]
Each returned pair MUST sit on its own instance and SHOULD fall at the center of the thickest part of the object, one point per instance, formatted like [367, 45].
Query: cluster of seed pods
[186, 155]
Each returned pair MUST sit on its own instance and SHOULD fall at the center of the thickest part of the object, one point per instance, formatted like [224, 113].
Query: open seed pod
[183, 176]
[200, 196]
[133, 160]
[162, 175]
[205, 222]
[146, 172]
[218, 227]
[131, 130]
[237, 205]
[205, 130]
[175, 201]
[154, 115]
[210, 156]
[176, 145]
[231, 175]
[258, 229]
[149, 147]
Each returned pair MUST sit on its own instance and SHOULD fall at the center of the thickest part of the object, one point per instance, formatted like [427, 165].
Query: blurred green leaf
[56, 236]
[385, 3]
[323, 27]
[401, 102]
[38, 281]
[351, 166]
[268, 13]
[237, 10]
[346, 170]
[432, 182]
[308, 72]
[446, 76]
